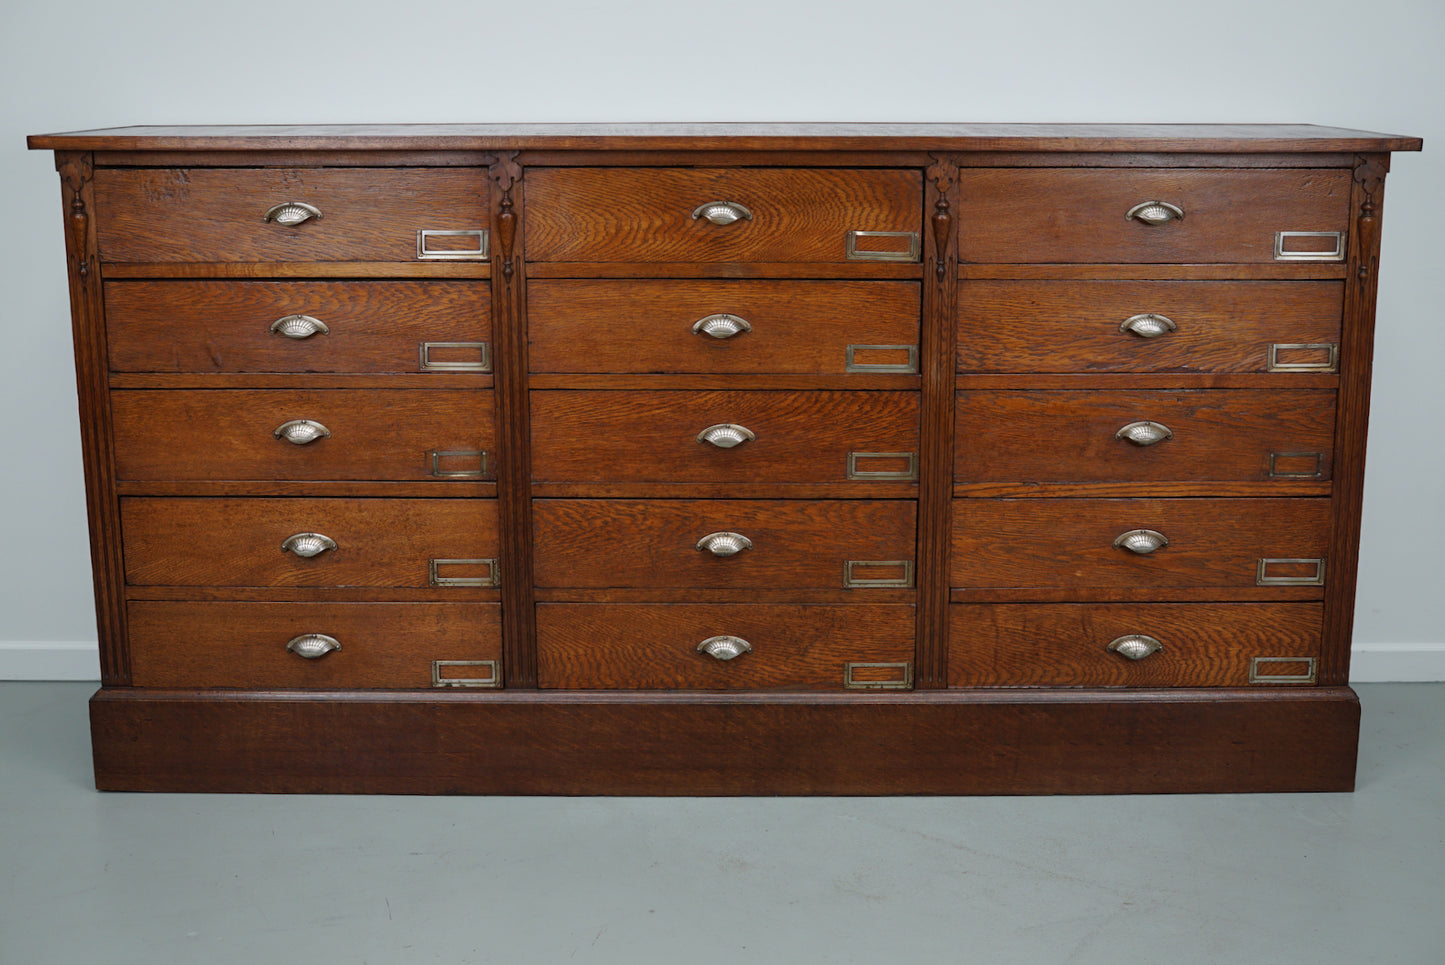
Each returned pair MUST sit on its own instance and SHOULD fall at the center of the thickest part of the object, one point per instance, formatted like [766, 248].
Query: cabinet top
[1170, 138]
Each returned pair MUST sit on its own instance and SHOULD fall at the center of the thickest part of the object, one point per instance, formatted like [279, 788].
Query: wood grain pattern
[375, 435]
[1033, 216]
[653, 543]
[88, 331]
[1027, 268]
[1352, 427]
[1066, 645]
[237, 542]
[219, 326]
[883, 137]
[645, 326]
[1074, 327]
[1218, 434]
[243, 645]
[215, 215]
[939, 742]
[243, 270]
[642, 437]
[936, 439]
[645, 214]
[509, 294]
[618, 646]
[1069, 543]
[1188, 271]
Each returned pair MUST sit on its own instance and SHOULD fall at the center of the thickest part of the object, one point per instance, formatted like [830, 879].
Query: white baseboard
[49, 660]
[80, 660]
[1397, 663]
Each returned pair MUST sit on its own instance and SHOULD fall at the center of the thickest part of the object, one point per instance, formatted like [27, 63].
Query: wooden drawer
[646, 214]
[1077, 326]
[369, 326]
[216, 214]
[623, 646]
[1069, 543]
[379, 542]
[1078, 215]
[198, 645]
[391, 434]
[835, 544]
[1073, 436]
[800, 437]
[793, 327]
[1067, 645]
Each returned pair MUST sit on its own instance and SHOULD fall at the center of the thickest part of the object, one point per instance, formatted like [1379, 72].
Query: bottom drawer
[788, 647]
[381, 645]
[1068, 645]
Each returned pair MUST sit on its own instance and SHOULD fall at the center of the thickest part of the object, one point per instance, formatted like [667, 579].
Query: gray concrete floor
[164, 879]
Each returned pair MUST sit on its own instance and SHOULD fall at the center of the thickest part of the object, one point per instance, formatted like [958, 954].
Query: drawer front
[217, 215]
[265, 645]
[325, 434]
[1042, 215]
[798, 437]
[1205, 434]
[1134, 326]
[1068, 645]
[802, 327]
[753, 544]
[377, 542]
[623, 646]
[1070, 543]
[785, 215]
[338, 326]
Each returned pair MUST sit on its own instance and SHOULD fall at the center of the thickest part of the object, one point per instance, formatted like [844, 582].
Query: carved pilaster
[514, 475]
[935, 485]
[87, 315]
[1357, 339]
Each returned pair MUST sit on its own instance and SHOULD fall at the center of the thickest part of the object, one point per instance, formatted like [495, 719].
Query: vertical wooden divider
[87, 314]
[1353, 416]
[514, 477]
[935, 480]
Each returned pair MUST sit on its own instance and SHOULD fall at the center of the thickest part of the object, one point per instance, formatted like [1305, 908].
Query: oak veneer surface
[225, 326]
[932, 488]
[1216, 434]
[243, 645]
[805, 544]
[231, 434]
[1049, 216]
[646, 326]
[1075, 326]
[1066, 645]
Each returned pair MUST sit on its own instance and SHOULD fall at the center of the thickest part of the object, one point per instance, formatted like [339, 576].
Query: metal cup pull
[301, 432]
[1145, 433]
[722, 212]
[724, 544]
[307, 545]
[1154, 213]
[1148, 325]
[1141, 541]
[291, 213]
[726, 435]
[312, 645]
[1135, 646]
[721, 326]
[724, 648]
[299, 326]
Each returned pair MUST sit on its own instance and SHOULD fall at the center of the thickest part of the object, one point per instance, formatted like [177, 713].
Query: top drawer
[714, 215]
[1013, 216]
[365, 214]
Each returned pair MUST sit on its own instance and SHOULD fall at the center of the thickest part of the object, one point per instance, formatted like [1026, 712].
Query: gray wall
[89, 64]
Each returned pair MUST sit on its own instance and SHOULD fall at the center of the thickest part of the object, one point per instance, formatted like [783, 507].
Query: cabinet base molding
[946, 742]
